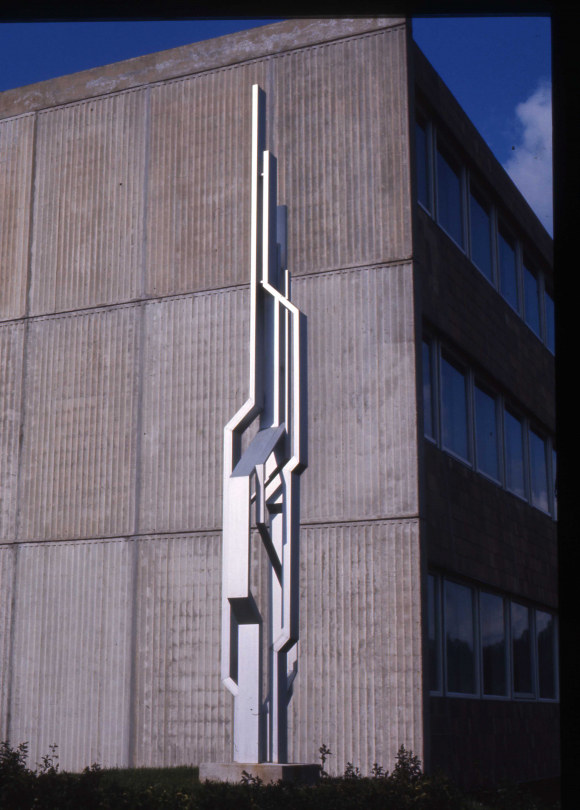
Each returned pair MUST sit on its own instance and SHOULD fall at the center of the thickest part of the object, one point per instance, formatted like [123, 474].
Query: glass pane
[521, 649]
[546, 662]
[555, 483]
[550, 334]
[427, 391]
[422, 166]
[539, 473]
[493, 644]
[486, 433]
[449, 214]
[480, 237]
[459, 638]
[454, 409]
[433, 623]
[532, 301]
[507, 271]
[514, 455]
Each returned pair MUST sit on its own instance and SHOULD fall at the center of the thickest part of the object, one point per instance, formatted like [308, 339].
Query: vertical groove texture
[183, 711]
[196, 360]
[88, 214]
[341, 132]
[362, 394]
[11, 364]
[78, 464]
[359, 683]
[199, 180]
[72, 651]
[7, 562]
[16, 147]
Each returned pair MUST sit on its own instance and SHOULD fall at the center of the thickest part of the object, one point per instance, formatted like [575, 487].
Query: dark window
[459, 638]
[539, 472]
[486, 433]
[554, 483]
[550, 333]
[514, 454]
[423, 184]
[546, 659]
[449, 207]
[493, 644]
[532, 300]
[433, 624]
[428, 393]
[480, 235]
[508, 283]
[454, 408]
[521, 649]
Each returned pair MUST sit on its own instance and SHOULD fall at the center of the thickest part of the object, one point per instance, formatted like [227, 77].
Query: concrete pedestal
[267, 771]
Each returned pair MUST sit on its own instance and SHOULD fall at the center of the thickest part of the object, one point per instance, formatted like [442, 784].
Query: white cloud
[530, 164]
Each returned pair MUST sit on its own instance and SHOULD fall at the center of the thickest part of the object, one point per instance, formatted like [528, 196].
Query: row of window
[482, 644]
[449, 193]
[466, 418]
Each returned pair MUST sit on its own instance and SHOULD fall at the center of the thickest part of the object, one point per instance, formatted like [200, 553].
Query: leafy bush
[406, 788]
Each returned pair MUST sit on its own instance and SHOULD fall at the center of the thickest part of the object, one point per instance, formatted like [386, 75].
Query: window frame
[541, 434]
[507, 406]
[533, 270]
[481, 384]
[502, 226]
[446, 150]
[506, 625]
[476, 656]
[440, 578]
[492, 229]
[419, 118]
[464, 369]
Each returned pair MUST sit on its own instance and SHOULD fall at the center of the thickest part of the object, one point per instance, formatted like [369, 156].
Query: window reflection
[532, 300]
[539, 473]
[486, 433]
[493, 644]
[423, 185]
[521, 649]
[449, 207]
[514, 454]
[480, 235]
[454, 409]
[546, 659]
[550, 329]
[428, 391]
[459, 632]
[507, 270]
[433, 627]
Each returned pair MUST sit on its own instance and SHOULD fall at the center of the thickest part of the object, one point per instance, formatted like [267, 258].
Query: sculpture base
[267, 771]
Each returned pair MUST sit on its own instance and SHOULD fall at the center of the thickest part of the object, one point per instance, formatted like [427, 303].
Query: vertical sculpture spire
[266, 477]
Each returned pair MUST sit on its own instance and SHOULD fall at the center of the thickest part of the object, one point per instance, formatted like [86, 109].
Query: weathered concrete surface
[187, 59]
[266, 771]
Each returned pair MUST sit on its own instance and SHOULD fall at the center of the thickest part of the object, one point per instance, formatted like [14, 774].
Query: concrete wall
[125, 269]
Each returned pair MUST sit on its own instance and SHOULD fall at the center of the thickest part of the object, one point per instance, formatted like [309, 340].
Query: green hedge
[47, 788]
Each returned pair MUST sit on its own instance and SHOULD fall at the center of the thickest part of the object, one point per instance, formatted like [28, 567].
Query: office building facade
[428, 612]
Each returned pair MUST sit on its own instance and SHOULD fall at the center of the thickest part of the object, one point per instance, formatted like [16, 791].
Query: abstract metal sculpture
[267, 475]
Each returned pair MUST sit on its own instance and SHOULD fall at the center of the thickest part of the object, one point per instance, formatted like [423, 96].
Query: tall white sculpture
[267, 476]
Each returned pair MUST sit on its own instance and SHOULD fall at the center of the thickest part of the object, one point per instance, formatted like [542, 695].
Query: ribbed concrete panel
[196, 361]
[11, 357]
[7, 563]
[79, 452]
[71, 670]
[359, 683]
[88, 231]
[199, 181]
[340, 128]
[183, 712]
[362, 394]
[16, 150]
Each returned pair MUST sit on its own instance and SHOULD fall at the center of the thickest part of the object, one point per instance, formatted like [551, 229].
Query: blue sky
[498, 68]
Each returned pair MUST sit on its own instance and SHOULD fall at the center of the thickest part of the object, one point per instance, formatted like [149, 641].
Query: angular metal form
[270, 468]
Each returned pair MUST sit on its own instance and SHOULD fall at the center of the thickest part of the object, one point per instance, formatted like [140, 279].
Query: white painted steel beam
[273, 462]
